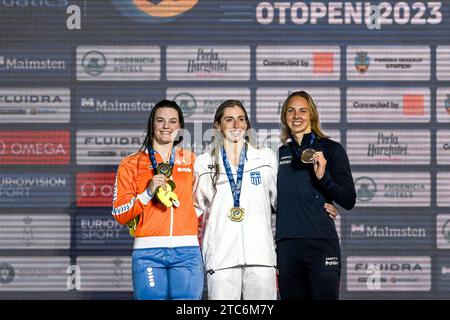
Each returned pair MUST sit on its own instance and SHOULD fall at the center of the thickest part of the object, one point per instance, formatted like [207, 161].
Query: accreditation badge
[236, 214]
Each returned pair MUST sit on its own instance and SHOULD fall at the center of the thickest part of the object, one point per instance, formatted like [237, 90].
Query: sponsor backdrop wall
[78, 79]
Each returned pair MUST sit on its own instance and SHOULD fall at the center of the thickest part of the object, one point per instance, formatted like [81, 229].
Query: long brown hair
[315, 123]
[215, 152]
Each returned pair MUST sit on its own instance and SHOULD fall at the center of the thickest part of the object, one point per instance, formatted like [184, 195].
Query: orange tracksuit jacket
[158, 225]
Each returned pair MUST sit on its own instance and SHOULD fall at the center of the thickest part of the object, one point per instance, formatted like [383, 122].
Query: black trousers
[309, 269]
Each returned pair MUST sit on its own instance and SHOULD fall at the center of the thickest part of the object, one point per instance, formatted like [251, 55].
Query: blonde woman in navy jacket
[308, 250]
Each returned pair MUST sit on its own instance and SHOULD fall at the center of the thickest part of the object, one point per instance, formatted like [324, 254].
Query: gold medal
[236, 214]
[165, 169]
[307, 155]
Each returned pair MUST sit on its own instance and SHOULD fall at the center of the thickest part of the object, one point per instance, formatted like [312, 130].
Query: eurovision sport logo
[154, 10]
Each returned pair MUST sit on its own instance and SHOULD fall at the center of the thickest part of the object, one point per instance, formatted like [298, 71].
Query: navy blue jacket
[301, 196]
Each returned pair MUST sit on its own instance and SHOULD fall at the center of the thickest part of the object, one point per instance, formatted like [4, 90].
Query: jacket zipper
[171, 221]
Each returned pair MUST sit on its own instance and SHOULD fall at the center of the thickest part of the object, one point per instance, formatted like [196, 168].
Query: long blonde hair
[315, 123]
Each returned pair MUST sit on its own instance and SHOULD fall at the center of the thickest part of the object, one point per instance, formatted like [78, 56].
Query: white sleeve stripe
[115, 190]
[123, 208]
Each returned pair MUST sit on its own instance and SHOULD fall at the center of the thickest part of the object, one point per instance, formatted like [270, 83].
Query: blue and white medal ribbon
[164, 171]
[236, 212]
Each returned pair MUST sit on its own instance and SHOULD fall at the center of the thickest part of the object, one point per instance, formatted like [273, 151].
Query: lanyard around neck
[235, 186]
[296, 146]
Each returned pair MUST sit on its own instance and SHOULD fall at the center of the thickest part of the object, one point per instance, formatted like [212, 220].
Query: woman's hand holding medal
[162, 187]
[315, 157]
[319, 164]
[158, 180]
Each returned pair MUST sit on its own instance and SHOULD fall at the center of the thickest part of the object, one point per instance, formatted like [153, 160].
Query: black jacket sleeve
[338, 180]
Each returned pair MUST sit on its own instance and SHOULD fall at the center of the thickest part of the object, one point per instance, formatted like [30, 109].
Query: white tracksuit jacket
[250, 242]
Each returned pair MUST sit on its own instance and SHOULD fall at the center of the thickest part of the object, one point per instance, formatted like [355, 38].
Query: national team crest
[255, 177]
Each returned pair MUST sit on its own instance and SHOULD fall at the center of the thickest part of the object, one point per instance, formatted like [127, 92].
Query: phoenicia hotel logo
[187, 103]
[446, 231]
[447, 104]
[362, 62]
[94, 63]
[154, 10]
[366, 188]
[7, 273]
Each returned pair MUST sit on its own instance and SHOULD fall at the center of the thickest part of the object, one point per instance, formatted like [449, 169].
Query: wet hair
[148, 141]
[285, 132]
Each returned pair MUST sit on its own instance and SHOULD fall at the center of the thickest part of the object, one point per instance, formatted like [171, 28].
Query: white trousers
[249, 282]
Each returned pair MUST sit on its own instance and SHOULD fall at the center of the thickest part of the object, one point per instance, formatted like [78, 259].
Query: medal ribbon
[151, 155]
[235, 186]
[296, 146]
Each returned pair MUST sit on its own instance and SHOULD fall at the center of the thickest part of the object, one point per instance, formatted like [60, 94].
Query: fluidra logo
[113, 140]
[30, 98]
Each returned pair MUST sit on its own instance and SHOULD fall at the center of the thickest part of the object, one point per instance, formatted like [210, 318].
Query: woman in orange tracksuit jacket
[166, 260]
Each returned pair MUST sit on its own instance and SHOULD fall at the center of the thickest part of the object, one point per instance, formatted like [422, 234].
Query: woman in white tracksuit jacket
[238, 244]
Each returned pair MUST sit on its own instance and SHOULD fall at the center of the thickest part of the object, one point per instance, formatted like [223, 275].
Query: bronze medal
[307, 155]
[236, 214]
